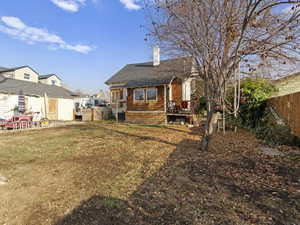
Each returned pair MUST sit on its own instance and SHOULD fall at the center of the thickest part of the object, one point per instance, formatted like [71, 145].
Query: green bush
[254, 116]
[202, 106]
[253, 103]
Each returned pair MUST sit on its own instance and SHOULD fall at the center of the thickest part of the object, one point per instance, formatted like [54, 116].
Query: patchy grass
[51, 171]
[118, 174]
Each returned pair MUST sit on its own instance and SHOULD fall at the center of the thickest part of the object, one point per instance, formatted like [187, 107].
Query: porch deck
[179, 108]
[179, 113]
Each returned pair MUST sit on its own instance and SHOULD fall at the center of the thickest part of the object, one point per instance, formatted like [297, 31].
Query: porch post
[117, 110]
[165, 98]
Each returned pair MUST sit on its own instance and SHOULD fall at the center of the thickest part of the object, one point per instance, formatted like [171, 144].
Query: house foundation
[146, 117]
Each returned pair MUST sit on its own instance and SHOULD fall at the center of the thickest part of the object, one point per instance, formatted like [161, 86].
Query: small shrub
[275, 134]
[111, 203]
[112, 117]
[200, 107]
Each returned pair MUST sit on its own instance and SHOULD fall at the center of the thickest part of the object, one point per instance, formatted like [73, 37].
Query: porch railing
[182, 107]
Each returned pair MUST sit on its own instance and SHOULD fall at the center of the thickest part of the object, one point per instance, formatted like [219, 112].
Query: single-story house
[154, 92]
[50, 99]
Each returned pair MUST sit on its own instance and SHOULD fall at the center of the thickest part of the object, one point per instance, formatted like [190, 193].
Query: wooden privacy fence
[96, 114]
[288, 107]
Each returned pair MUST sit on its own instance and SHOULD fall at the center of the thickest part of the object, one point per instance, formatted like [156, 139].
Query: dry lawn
[118, 174]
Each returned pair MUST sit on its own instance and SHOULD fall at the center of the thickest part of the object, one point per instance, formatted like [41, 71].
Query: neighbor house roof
[287, 78]
[12, 86]
[2, 68]
[145, 74]
[16, 68]
[2, 78]
[47, 76]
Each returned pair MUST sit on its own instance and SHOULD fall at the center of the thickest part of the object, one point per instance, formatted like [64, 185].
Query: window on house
[145, 94]
[53, 82]
[26, 76]
[115, 95]
[139, 94]
[151, 94]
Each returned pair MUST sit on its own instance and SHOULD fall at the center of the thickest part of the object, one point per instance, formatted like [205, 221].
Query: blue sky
[83, 41]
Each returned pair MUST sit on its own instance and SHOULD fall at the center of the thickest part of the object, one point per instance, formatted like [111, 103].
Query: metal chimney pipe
[156, 56]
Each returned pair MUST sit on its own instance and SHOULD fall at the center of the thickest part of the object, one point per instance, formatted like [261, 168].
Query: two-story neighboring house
[41, 94]
[287, 85]
[50, 79]
[154, 92]
[25, 73]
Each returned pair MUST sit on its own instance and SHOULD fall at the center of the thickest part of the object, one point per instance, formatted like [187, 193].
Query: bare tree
[79, 92]
[103, 94]
[221, 35]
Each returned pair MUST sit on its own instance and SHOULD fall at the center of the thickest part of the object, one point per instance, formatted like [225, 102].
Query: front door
[52, 109]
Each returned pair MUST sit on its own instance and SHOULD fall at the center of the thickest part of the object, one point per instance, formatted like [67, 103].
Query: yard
[118, 174]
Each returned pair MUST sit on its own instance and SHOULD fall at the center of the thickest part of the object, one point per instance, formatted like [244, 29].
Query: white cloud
[131, 4]
[14, 27]
[13, 22]
[75, 5]
[79, 48]
[290, 10]
[69, 5]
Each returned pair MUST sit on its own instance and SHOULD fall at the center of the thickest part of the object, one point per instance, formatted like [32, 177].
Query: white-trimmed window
[53, 82]
[151, 94]
[26, 76]
[145, 94]
[139, 94]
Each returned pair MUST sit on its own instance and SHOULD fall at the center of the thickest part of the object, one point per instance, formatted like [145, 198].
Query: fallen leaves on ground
[133, 174]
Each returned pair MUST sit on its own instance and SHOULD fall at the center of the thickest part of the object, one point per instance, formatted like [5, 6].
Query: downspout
[166, 108]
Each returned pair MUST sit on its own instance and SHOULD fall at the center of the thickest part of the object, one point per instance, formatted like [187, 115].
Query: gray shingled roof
[41, 77]
[287, 78]
[16, 68]
[2, 69]
[2, 78]
[12, 86]
[145, 74]
[13, 68]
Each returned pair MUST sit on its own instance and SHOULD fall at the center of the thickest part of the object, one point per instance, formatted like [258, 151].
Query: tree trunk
[210, 125]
